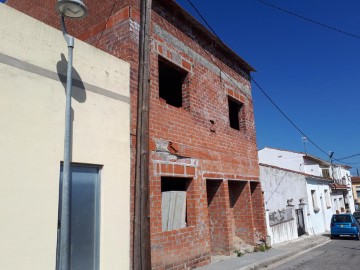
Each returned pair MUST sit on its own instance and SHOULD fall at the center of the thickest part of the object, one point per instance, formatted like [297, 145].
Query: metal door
[300, 221]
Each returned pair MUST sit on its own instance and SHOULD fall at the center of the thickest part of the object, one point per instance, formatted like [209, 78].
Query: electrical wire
[355, 155]
[309, 20]
[258, 85]
[223, 44]
[107, 19]
[287, 117]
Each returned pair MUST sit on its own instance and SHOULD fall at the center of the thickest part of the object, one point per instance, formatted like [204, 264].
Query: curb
[281, 257]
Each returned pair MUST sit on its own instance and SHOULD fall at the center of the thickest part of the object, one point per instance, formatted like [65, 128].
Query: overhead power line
[309, 20]
[222, 43]
[287, 117]
[258, 85]
[106, 21]
[355, 155]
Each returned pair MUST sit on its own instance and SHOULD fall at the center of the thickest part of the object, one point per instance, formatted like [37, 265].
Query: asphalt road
[338, 254]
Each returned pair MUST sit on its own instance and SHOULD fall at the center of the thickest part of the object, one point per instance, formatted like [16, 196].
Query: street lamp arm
[69, 39]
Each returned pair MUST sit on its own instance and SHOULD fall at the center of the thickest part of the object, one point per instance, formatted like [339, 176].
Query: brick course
[199, 143]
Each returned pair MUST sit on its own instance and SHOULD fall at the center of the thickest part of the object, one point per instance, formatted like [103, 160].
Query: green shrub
[239, 252]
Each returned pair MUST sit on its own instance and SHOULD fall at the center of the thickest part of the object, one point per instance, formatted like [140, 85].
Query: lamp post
[71, 9]
[331, 153]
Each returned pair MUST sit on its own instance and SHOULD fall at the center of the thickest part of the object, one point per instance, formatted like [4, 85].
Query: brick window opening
[171, 80]
[174, 202]
[235, 108]
[236, 189]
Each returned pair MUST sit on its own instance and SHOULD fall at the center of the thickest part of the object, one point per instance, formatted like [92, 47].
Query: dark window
[234, 113]
[171, 79]
[341, 219]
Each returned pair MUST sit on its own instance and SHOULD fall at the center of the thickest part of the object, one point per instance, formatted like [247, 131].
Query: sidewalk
[258, 260]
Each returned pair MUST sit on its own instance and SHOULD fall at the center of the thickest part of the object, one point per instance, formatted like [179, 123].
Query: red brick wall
[197, 149]
[186, 246]
[219, 220]
[242, 210]
[258, 215]
[98, 12]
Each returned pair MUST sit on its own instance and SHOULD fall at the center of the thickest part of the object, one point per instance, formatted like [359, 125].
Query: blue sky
[311, 72]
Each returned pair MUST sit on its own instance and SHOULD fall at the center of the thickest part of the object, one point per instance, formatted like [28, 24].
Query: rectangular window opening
[235, 107]
[325, 172]
[174, 202]
[314, 200]
[327, 198]
[236, 189]
[171, 80]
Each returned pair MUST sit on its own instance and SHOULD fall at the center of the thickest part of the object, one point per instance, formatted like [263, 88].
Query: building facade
[307, 196]
[341, 190]
[33, 66]
[355, 182]
[202, 133]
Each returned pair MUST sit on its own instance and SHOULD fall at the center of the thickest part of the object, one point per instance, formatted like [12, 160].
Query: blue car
[344, 224]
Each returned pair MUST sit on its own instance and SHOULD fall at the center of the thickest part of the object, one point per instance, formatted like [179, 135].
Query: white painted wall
[32, 106]
[320, 220]
[280, 186]
[311, 167]
[284, 159]
[340, 196]
[350, 199]
[283, 232]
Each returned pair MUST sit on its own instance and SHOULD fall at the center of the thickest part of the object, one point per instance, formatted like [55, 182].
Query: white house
[33, 61]
[305, 196]
[341, 189]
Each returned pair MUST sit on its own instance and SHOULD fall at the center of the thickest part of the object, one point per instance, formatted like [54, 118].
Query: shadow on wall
[78, 91]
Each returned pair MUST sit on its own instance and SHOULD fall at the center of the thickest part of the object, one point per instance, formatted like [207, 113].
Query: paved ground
[276, 254]
[335, 255]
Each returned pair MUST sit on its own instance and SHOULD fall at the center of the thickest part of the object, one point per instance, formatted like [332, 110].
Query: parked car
[344, 224]
[357, 216]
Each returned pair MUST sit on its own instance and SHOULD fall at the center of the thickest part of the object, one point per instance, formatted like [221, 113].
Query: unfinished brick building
[202, 132]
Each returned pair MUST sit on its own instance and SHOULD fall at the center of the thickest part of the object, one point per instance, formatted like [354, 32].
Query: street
[338, 254]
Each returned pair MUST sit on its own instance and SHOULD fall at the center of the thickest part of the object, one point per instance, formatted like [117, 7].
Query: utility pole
[331, 153]
[304, 140]
[141, 247]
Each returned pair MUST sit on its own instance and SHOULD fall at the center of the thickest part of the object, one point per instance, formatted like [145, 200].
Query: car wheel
[357, 237]
[332, 236]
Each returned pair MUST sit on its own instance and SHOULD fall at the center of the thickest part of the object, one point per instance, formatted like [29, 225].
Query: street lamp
[71, 9]
[331, 153]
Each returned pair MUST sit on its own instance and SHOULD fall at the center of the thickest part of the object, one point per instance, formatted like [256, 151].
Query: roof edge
[300, 173]
[173, 5]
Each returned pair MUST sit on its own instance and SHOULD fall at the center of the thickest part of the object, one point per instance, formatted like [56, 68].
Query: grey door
[84, 217]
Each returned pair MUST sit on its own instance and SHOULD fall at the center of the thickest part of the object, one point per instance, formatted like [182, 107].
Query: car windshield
[357, 214]
[341, 219]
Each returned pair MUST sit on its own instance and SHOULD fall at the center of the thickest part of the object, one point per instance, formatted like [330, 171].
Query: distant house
[296, 203]
[355, 182]
[341, 195]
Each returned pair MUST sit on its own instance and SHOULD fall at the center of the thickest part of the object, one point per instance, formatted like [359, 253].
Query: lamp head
[71, 8]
